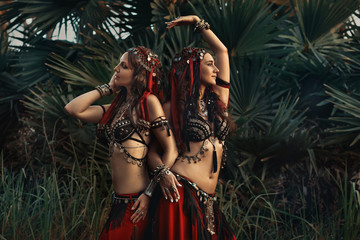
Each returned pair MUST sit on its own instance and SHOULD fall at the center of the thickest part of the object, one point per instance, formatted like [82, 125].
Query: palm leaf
[245, 27]
[252, 99]
[85, 73]
[110, 16]
[348, 123]
[319, 17]
[99, 56]
[48, 105]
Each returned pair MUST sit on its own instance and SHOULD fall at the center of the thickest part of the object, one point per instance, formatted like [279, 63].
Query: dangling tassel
[168, 129]
[191, 75]
[214, 160]
[150, 81]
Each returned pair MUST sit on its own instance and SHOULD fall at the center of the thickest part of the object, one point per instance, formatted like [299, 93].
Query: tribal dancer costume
[117, 126]
[196, 215]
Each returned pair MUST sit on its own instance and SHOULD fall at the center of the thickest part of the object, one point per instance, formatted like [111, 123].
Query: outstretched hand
[184, 20]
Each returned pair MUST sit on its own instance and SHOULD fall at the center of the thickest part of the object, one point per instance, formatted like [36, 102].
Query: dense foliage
[293, 168]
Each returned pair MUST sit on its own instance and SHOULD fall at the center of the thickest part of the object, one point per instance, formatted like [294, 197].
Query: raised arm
[80, 107]
[219, 49]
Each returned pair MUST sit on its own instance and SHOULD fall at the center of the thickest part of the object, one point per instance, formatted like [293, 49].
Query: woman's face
[124, 72]
[208, 70]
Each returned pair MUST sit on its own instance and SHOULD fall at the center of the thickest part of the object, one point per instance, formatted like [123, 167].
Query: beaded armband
[161, 122]
[222, 83]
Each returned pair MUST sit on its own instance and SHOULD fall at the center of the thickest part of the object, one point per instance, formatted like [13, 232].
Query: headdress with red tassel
[185, 67]
[150, 61]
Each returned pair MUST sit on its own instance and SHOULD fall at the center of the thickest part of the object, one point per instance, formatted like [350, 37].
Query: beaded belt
[118, 200]
[208, 201]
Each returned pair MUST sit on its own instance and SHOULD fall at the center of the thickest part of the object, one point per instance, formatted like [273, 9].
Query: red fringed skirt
[118, 225]
[195, 217]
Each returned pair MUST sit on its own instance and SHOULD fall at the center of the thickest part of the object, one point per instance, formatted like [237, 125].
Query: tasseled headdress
[150, 61]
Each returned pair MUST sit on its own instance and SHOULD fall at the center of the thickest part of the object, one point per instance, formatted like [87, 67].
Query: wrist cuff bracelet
[150, 188]
[201, 25]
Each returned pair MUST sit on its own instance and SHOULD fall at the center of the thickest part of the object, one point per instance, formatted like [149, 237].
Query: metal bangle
[201, 25]
[99, 89]
[150, 188]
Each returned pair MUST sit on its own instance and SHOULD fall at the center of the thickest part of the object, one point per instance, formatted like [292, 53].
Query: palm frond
[85, 73]
[348, 121]
[111, 16]
[245, 27]
[319, 17]
[252, 101]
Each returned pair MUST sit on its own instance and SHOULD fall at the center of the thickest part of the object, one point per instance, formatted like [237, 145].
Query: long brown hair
[146, 79]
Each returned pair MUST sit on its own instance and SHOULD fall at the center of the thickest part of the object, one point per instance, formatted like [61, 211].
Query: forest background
[293, 169]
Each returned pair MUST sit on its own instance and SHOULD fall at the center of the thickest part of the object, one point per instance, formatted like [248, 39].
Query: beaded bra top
[114, 135]
[198, 129]
[123, 129]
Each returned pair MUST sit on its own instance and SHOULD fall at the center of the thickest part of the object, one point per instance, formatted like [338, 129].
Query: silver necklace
[203, 111]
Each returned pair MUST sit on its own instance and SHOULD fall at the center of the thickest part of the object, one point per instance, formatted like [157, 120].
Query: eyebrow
[211, 61]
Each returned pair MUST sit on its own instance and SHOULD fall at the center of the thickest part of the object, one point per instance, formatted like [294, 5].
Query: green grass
[73, 204]
[52, 205]
[266, 216]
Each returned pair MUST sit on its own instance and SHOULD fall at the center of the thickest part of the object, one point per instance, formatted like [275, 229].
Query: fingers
[164, 192]
[173, 23]
[176, 193]
[169, 188]
[177, 183]
[139, 213]
[168, 193]
[136, 205]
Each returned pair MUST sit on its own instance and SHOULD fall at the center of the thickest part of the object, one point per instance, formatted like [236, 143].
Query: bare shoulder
[153, 101]
[167, 109]
[155, 108]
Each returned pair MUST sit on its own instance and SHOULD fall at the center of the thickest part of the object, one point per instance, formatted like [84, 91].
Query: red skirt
[118, 225]
[196, 216]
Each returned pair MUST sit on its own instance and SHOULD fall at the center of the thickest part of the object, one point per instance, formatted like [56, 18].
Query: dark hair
[185, 76]
[146, 77]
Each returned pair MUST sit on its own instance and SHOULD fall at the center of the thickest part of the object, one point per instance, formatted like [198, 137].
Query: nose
[117, 68]
[216, 69]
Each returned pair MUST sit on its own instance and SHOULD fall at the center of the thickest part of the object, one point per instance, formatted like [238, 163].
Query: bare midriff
[201, 173]
[128, 177]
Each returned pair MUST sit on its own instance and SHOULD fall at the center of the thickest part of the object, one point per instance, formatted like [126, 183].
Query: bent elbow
[69, 110]
[224, 49]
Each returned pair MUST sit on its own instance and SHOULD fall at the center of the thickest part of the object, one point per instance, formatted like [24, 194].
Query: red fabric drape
[172, 222]
[127, 229]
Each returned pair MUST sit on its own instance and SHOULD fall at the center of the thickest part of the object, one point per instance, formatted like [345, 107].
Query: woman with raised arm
[126, 126]
[200, 121]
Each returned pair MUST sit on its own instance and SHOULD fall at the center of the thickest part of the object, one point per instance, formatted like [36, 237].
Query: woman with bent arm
[198, 110]
[127, 126]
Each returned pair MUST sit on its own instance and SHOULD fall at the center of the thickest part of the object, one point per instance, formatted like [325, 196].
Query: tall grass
[265, 216]
[73, 204]
[53, 205]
